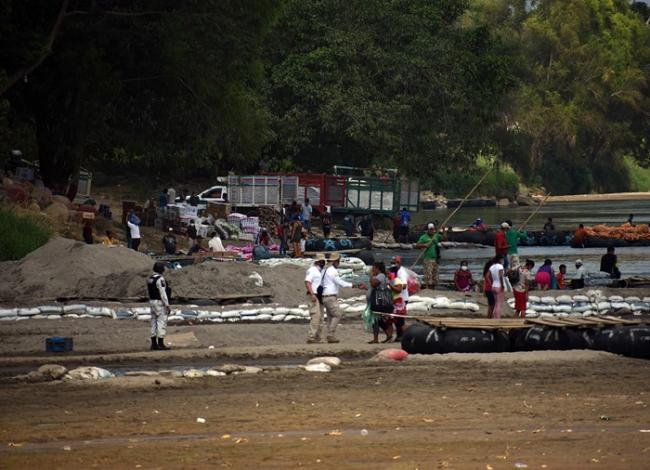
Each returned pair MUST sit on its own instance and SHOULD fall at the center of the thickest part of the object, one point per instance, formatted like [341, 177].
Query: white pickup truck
[212, 194]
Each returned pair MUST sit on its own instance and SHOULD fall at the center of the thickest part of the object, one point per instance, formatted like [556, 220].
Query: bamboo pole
[530, 217]
[454, 212]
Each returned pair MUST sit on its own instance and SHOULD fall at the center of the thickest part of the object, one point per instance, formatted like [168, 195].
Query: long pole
[454, 212]
[530, 217]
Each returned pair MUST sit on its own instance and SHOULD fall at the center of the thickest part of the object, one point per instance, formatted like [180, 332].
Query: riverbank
[601, 197]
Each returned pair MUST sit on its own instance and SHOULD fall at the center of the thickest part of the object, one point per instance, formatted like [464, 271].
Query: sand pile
[213, 279]
[65, 268]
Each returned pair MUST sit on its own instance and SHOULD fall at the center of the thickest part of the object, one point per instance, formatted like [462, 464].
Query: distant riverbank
[601, 197]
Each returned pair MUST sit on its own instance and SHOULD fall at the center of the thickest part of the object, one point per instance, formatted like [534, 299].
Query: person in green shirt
[430, 242]
[512, 237]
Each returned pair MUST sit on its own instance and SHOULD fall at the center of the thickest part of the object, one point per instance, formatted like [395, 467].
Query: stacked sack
[581, 306]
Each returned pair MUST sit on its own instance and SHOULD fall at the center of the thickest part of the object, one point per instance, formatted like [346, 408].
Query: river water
[566, 215]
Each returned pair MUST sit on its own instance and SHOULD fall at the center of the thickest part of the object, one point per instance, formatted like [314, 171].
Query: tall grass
[639, 176]
[20, 234]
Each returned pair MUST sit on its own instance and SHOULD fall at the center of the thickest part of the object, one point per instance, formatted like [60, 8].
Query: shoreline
[601, 197]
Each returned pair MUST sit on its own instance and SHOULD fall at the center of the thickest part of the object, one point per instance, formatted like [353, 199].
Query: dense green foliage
[557, 89]
[20, 234]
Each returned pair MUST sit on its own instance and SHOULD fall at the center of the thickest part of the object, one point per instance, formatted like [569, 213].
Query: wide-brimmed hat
[319, 257]
[334, 256]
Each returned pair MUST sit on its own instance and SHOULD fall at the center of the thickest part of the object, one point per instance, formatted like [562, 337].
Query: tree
[170, 84]
[381, 82]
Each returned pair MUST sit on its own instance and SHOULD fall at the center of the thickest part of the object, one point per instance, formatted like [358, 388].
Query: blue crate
[58, 344]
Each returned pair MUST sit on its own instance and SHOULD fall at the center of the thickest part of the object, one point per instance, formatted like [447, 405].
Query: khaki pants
[331, 305]
[316, 323]
[158, 318]
[430, 272]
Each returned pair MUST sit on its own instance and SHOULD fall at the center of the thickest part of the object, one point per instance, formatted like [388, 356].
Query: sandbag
[8, 312]
[391, 354]
[28, 312]
[74, 308]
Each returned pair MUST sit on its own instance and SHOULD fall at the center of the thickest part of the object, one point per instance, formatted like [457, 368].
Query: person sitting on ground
[378, 280]
[579, 237]
[487, 287]
[520, 288]
[463, 278]
[216, 245]
[109, 240]
[548, 226]
[169, 242]
[578, 281]
[560, 277]
[87, 232]
[545, 275]
[264, 238]
[303, 240]
[608, 263]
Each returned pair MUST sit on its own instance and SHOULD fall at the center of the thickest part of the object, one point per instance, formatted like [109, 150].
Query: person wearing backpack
[380, 301]
[519, 279]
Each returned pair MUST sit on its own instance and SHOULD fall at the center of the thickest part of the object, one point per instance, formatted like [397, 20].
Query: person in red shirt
[463, 278]
[501, 244]
[579, 237]
[559, 277]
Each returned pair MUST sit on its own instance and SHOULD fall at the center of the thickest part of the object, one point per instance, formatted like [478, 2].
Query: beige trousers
[316, 323]
[331, 305]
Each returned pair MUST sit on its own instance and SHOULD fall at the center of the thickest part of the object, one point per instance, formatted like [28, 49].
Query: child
[399, 306]
[463, 278]
[560, 277]
[520, 289]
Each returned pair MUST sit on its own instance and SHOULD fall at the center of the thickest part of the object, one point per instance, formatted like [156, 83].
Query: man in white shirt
[578, 281]
[133, 223]
[403, 275]
[312, 281]
[332, 282]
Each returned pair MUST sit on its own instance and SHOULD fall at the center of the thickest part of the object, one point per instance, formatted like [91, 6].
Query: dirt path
[550, 410]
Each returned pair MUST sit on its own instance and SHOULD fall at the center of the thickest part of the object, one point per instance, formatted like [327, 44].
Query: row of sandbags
[417, 304]
[583, 305]
[633, 341]
[252, 314]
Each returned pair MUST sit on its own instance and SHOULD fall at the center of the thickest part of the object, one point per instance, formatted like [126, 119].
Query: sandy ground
[543, 410]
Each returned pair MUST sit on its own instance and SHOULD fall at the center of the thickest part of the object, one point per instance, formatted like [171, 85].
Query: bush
[502, 182]
[21, 234]
[639, 176]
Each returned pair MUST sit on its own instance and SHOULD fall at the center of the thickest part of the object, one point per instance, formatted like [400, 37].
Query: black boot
[161, 344]
[154, 344]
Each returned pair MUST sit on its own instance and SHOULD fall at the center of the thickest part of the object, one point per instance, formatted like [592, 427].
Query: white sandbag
[546, 315]
[88, 373]
[580, 298]
[259, 282]
[304, 314]
[511, 303]
[85, 315]
[620, 306]
[542, 307]
[303, 306]
[50, 309]
[8, 312]
[417, 298]
[417, 307]
[562, 315]
[28, 312]
[141, 310]
[278, 317]
[281, 311]
[247, 313]
[458, 305]
[441, 302]
[588, 313]
[646, 300]
[534, 299]
[203, 314]
[561, 308]
[22, 318]
[344, 306]
[601, 306]
[175, 318]
[231, 314]
[71, 315]
[233, 320]
[12, 318]
[640, 307]
[615, 298]
[472, 307]
[532, 313]
[267, 310]
[296, 311]
[74, 308]
[264, 317]
[54, 317]
[331, 361]
[100, 312]
[356, 308]
[318, 368]
[217, 320]
[290, 318]
[564, 299]
[581, 308]
[632, 299]
[40, 316]
[212, 315]
[548, 300]
[144, 317]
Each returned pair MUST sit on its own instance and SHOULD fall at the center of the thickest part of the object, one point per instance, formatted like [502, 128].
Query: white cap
[430, 227]
[578, 261]
[505, 225]
[171, 229]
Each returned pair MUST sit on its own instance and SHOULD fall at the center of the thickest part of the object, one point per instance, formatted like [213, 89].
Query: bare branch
[48, 50]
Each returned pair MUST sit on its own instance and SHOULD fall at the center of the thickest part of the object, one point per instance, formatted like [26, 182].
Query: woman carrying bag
[379, 301]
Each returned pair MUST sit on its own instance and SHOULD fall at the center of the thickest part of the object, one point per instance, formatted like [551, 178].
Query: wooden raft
[516, 323]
